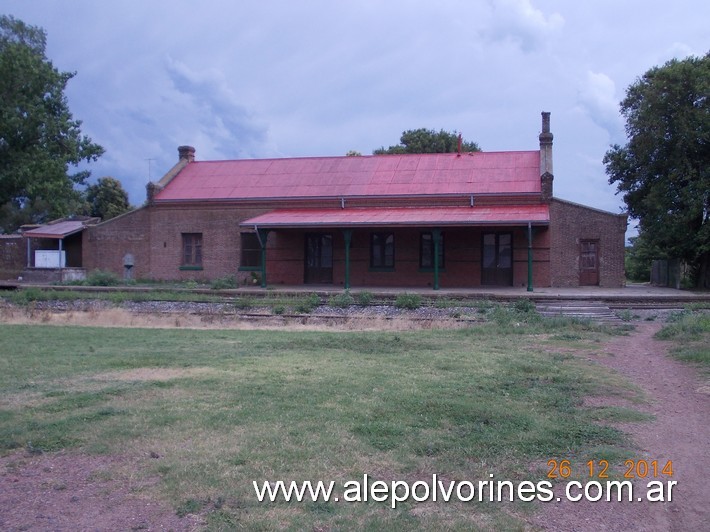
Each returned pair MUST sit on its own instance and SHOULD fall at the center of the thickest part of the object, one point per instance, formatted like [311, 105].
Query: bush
[524, 305]
[26, 295]
[224, 283]
[244, 303]
[364, 298]
[307, 305]
[408, 301]
[102, 278]
[278, 310]
[342, 300]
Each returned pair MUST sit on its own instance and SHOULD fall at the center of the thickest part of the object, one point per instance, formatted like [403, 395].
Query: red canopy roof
[380, 175]
[413, 216]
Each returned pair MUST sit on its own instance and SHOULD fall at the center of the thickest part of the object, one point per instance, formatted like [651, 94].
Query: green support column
[436, 235]
[263, 235]
[530, 259]
[347, 235]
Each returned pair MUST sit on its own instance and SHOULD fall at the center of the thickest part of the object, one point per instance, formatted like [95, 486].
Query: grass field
[224, 408]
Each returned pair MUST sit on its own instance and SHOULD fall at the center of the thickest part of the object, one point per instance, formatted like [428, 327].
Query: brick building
[438, 220]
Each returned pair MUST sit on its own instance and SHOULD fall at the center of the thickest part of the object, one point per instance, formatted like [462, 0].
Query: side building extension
[437, 220]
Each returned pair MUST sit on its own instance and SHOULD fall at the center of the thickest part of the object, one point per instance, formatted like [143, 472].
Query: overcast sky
[293, 78]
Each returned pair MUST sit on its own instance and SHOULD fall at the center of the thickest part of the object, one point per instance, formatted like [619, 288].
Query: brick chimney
[186, 153]
[152, 190]
[546, 175]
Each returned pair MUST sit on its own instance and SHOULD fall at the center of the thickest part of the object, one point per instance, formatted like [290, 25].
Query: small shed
[54, 251]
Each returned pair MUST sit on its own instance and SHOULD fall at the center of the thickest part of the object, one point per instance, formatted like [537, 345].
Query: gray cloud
[518, 22]
[248, 79]
[214, 110]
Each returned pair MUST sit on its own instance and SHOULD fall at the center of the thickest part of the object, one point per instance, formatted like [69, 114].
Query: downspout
[530, 258]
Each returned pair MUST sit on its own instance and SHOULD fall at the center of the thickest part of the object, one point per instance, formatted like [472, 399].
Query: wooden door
[318, 267]
[497, 259]
[589, 263]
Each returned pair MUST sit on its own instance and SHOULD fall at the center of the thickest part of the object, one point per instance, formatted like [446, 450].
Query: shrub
[244, 303]
[408, 301]
[26, 295]
[278, 309]
[342, 300]
[224, 283]
[307, 305]
[102, 278]
[524, 305]
[364, 298]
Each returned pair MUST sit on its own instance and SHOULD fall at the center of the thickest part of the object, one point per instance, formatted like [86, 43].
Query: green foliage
[664, 169]
[224, 283]
[364, 298]
[342, 300]
[428, 141]
[102, 278]
[524, 305]
[107, 198]
[690, 331]
[685, 325]
[26, 295]
[244, 303]
[39, 138]
[408, 301]
[638, 258]
[307, 304]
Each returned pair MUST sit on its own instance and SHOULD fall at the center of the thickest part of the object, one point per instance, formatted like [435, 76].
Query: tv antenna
[149, 166]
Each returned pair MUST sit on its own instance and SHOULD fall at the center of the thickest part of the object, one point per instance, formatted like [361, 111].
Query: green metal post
[436, 235]
[530, 258]
[347, 235]
[263, 234]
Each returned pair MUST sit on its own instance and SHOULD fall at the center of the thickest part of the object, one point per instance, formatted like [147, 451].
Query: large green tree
[39, 138]
[663, 171]
[107, 198]
[428, 141]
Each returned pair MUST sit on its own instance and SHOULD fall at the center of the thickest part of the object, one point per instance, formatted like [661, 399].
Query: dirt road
[680, 400]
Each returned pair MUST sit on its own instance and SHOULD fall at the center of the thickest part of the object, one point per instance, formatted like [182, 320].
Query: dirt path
[680, 401]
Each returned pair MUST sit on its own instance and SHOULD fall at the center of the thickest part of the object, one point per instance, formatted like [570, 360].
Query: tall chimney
[546, 175]
[186, 153]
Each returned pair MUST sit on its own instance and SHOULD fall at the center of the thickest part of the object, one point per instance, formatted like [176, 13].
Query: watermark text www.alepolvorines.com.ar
[438, 490]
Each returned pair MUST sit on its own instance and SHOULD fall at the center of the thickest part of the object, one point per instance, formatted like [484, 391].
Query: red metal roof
[415, 216]
[380, 175]
[58, 230]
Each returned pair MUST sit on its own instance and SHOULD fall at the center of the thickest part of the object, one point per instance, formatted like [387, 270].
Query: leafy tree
[39, 139]
[107, 198]
[638, 259]
[428, 141]
[664, 169]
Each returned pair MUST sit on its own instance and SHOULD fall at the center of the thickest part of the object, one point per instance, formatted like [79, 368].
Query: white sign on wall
[50, 258]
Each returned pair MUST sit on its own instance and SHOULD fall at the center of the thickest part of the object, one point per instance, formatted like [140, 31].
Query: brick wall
[462, 268]
[13, 256]
[153, 235]
[105, 244]
[571, 223]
